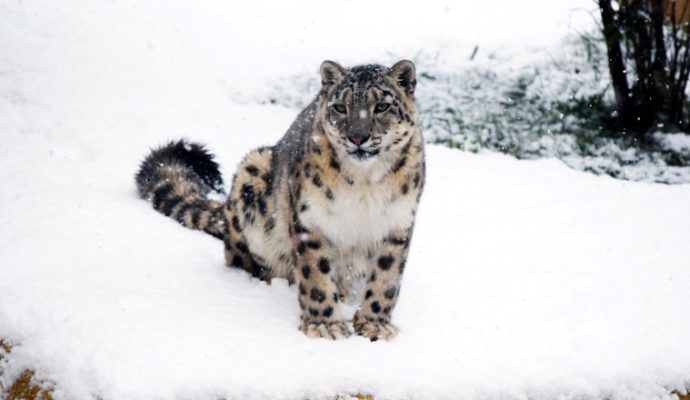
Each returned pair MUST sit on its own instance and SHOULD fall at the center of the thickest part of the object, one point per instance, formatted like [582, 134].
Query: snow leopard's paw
[333, 330]
[376, 330]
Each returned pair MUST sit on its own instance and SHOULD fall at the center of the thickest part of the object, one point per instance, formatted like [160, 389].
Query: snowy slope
[526, 279]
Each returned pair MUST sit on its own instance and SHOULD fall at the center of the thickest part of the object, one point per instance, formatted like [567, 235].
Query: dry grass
[5, 349]
[358, 396]
[25, 386]
[681, 396]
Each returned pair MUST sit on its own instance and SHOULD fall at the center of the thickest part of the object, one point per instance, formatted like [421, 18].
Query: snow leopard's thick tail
[177, 178]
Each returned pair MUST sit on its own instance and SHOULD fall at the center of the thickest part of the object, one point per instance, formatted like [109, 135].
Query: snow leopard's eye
[381, 107]
[340, 108]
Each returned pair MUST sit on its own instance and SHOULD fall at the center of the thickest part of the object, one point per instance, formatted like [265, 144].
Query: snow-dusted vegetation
[527, 279]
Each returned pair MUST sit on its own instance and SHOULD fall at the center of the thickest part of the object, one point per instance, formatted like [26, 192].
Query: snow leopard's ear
[331, 73]
[403, 72]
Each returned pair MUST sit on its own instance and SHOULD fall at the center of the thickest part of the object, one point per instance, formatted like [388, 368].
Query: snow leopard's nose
[358, 137]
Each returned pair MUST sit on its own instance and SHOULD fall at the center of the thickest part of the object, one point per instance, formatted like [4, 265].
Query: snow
[526, 279]
[678, 142]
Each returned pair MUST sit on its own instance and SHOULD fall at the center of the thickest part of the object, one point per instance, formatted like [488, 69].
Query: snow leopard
[331, 207]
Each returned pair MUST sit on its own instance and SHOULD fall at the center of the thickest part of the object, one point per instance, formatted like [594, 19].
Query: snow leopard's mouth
[361, 154]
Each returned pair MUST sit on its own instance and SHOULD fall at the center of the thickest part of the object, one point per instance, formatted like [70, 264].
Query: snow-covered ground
[526, 279]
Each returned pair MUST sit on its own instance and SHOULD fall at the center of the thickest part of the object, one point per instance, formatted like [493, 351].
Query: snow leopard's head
[368, 110]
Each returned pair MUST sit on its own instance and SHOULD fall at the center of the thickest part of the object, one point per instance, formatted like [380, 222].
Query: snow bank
[525, 279]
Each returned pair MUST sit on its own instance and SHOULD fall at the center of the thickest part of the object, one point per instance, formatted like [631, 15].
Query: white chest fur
[360, 215]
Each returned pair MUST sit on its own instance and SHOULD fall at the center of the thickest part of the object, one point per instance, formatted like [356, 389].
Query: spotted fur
[330, 207]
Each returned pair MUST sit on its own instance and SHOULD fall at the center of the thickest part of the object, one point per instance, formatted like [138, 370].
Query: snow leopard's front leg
[318, 296]
[373, 318]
